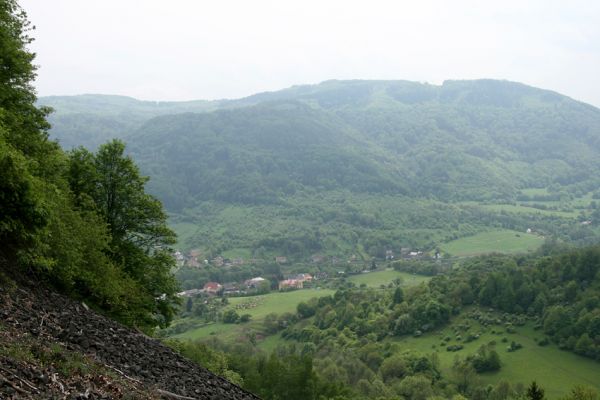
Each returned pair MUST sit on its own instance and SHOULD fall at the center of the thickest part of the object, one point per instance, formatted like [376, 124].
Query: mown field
[258, 307]
[378, 278]
[497, 241]
[555, 370]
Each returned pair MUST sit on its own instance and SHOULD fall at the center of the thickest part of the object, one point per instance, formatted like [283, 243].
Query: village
[259, 285]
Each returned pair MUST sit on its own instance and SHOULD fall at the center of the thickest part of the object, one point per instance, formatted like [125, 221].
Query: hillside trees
[110, 183]
[58, 231]
[24, 148]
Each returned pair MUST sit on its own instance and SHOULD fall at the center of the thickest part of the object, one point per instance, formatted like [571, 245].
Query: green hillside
[350, 166]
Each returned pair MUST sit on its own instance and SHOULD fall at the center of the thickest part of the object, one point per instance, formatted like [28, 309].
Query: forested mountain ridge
[92, 119]
[259, 154]
[296, 149]
[451, 141]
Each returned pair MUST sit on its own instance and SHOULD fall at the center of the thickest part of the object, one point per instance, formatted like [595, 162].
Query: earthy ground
[52, 347]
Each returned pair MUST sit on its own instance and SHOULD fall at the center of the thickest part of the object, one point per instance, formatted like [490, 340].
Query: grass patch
[238, 253]
[378, 278]
[258, 307]
[555, 370]
[535, 192]
[277, 302]
[498, 241]
[524, 209]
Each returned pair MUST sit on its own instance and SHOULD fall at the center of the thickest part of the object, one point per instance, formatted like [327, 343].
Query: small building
[255, 282]
[237, 261]
[290, 284]
[303, 277]
[218, 261]
[212, 287]
[231, 288]
[281, 259]
[389, 255]
[587, 222]
[189, 293]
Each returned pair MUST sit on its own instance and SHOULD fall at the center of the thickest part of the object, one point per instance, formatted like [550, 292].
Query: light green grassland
[555, 370]
[498, 241]
[378, 278]
[524, 209]
[276, 302]
[564, 209]
[258, 307]
[238, 253]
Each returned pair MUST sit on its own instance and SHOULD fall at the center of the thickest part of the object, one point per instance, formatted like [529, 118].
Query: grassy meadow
[555, 370]
[523, 208]
[497, 241]
[258, 307]
[378, 278]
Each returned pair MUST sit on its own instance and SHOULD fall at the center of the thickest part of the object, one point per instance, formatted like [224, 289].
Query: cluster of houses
[296, 282]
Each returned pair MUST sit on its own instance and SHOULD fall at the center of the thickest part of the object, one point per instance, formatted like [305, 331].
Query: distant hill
[90, 119]
[482, 140]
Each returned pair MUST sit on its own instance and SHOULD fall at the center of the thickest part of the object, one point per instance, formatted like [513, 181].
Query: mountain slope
[258, 154]
[90, 120]
[380, 145]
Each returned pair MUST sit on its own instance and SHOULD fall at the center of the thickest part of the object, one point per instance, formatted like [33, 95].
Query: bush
[230, 317]
[245, 318]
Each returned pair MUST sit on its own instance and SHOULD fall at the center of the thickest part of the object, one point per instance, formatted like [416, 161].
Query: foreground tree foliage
[82, 221]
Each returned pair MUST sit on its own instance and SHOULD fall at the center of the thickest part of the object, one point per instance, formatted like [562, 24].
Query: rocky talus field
[52, 347]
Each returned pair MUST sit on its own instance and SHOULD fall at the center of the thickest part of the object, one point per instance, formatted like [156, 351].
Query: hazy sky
[197, 49]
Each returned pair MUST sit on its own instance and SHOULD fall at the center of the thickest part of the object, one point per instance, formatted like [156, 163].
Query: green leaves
[110, 184]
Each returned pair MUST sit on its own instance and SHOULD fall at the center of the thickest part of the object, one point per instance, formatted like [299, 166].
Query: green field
[524, 209]
[499, 241]
[258, 307]
[555, 370]
[535, 192]
[378, 278]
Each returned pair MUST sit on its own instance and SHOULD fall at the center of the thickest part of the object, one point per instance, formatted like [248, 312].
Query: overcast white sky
[197, 49]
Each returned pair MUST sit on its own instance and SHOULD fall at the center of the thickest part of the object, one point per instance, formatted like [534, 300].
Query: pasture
[497, 241]
[555, 370]
[378, 278]
[258, 307]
